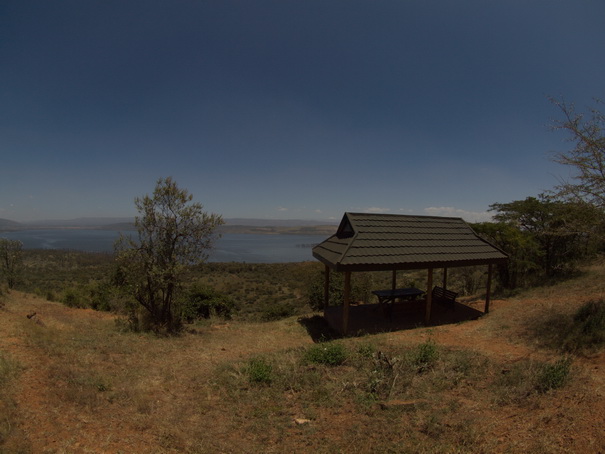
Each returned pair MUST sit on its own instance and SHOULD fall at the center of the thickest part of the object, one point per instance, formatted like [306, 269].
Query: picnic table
[386, 298]
[389, 296]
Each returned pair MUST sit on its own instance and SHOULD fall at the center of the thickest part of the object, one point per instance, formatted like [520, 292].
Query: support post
[394, 282]
[444, 278]
[429, 297]
[347, 302]
[489, 288]
[326, 288]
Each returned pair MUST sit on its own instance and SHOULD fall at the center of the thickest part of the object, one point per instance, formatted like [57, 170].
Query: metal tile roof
[366, 242]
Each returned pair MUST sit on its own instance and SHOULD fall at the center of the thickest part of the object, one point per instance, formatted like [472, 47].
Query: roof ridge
[425, 216]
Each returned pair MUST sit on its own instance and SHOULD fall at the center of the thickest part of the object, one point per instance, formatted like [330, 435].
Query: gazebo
[389, 242]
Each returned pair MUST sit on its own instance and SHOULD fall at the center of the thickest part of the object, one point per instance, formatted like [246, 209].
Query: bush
[202, 302]
[425, 355]
[259, 371]
[101, 296]
[73, 298]
[278, 311]
[588, 328]
[330, 354]
[553, 376]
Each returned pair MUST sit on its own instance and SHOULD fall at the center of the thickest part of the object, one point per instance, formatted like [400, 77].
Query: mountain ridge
[232, 225]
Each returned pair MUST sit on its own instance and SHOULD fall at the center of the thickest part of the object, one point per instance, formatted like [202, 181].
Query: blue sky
[289, 109]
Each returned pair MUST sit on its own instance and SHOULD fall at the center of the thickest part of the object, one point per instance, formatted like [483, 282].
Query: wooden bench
[443, 296]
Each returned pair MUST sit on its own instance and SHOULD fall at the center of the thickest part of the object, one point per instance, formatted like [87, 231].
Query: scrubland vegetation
[510, 382]
[239, 291]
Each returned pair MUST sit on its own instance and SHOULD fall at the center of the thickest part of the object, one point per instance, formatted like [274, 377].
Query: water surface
[249, 248]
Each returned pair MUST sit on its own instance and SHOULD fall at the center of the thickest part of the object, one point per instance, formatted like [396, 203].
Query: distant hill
[278, 226]
[88, 223]
[276, 222]
[232, 225]
[8, 225]
[279, 230]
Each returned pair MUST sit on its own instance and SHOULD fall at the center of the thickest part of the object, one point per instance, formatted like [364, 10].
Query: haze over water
[248, 248]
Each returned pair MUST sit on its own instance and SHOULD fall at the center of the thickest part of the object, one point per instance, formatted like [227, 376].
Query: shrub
[100, 296]
[202, 302]
[366, 350]
[424, 356]
[259, 371]
[73, 298]
[330, 354]
[588, 328]
[553, 376]
[278, 311]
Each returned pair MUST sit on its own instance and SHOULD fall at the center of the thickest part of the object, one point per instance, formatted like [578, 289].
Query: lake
[248, 248]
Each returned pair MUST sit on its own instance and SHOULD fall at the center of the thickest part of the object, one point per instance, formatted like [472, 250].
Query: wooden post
[489, 288]
[429, 297]
[394, 283]
[347, 302]
[445, 278]
[326, 288]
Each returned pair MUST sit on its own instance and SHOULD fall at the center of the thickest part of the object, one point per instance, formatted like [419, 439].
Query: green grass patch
[259, 371]
[553, 376]
[424, 356]
[327, 353]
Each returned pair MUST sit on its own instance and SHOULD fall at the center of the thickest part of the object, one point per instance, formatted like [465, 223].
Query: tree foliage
[543, 236]
[11, 260]
[563, 231]
[173, 233]
[587, 157]
[522, 249]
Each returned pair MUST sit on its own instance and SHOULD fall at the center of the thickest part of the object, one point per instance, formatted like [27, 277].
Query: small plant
[366, 350]
[425, 355]
[330, 354]
[259, 371]
[553, 376]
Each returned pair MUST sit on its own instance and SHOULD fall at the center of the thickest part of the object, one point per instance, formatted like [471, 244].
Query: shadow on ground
[318, 328]
[373, 318]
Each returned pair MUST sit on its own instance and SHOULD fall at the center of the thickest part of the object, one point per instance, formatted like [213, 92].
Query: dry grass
[74, 383]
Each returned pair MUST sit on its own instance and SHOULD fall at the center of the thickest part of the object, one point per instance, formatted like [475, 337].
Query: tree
[173, 233]
[521, 269]
[587, 157]
[563, 231]
[10, 260]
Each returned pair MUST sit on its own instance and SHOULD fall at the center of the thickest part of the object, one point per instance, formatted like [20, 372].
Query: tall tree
[563, 231]
[10, 260]
[173, 233]
[587, 157]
